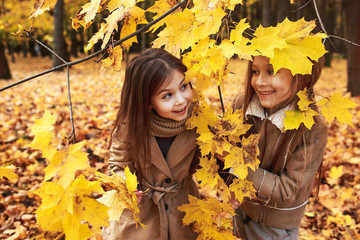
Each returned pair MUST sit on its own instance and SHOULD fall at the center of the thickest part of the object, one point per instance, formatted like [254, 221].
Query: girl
[150, 137]
[289, 159]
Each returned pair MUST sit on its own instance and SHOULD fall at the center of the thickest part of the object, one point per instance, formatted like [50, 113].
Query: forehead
[261, 61]
[175, 78]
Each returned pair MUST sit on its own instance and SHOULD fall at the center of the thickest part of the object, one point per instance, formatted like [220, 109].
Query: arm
[298, 173]
[119, 157]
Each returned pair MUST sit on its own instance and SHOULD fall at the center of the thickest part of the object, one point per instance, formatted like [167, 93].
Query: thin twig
[301, 6]
[321, 23]
[221, 100]
[70, 107]
[146, 27]
[333, 36]
[44, 46]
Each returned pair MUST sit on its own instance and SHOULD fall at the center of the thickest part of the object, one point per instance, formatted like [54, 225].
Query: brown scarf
[164, 127]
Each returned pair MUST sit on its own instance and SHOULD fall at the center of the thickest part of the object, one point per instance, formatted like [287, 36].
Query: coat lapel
[183, 144]
[158, 159]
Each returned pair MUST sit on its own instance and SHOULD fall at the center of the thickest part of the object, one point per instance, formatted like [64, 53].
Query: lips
[264, 93]
[180, 111]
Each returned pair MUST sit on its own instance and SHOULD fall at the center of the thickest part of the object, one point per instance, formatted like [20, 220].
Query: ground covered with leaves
[335, 214]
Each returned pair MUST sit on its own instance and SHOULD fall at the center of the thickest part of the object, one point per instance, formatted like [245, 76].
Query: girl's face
[173, 98]
[272, 89]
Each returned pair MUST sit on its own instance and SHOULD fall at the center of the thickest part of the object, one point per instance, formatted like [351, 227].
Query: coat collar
[255, 109]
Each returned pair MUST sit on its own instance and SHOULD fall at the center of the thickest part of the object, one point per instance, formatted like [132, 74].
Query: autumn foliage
[64, 181]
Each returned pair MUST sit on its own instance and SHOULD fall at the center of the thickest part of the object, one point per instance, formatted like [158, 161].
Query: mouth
[264, 93]
[181, 111]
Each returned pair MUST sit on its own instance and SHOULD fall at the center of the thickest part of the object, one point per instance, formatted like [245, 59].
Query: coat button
[168, 180]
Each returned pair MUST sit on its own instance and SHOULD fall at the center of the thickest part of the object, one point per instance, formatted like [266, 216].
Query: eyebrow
[166, 89]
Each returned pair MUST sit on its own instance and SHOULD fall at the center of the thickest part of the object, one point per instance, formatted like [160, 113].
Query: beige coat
[282, 191]
[169, 181]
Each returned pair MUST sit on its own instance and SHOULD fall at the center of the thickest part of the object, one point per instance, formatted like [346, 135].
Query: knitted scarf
[164, 127]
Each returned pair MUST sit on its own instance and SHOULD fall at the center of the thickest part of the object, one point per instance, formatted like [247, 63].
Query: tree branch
[68, 64]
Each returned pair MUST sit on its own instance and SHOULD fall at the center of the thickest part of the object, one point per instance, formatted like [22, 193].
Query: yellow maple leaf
[51, 195]
[337, 106]
[81, 206]
[208, 175]
[207, 22]
[244, 157]
[43, 141]
[86, 14]
[202, 116]
[40, 6]
[121, 195]
[304, 101]
[289, 45]
[71, 210]
[304, 115]
[242, 188]
[114, 60]
[159, 8]
[295, 118]
[8, 172]
[207, 214]
[64, 164]
[238, 44]
[133, 17]
[178, 29]
[44, 124]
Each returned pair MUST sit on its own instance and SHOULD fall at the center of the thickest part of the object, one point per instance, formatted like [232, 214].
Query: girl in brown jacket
[150, 137]
[289, 159]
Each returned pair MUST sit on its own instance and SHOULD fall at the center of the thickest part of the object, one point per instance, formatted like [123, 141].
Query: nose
[180, 99]
[261, 80]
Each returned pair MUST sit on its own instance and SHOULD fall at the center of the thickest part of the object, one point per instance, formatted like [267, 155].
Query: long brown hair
[144, 75]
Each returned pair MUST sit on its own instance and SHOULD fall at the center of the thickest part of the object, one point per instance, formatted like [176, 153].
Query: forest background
[336, 214]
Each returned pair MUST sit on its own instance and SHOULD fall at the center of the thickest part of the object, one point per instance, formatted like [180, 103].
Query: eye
[184, 86]
[255, 72]
[166, 96]
[271, 71]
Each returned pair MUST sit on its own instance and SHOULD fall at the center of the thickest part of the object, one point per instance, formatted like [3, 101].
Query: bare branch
[70, 107]
[146, 27]
[302, 6]
[348, 41]
[44, 46]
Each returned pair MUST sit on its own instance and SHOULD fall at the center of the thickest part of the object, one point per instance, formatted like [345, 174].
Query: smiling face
[173, 98]
[272, 89]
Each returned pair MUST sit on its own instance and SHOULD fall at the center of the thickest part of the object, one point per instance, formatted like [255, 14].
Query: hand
[139, 195]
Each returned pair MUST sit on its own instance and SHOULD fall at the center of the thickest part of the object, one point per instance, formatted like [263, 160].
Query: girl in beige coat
[289, 159]
[150, 137]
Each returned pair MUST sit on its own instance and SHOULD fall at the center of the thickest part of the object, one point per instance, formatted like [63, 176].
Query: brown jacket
[287, 170]
[169, 181]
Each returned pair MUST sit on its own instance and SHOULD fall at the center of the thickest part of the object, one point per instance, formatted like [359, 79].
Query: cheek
[190, 94]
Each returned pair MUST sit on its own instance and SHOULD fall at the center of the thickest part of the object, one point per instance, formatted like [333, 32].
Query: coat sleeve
[119, 157]
[298, 173]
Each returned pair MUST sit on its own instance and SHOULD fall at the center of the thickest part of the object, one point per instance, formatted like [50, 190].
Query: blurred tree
[266, 13]
[352, 15]
[4, 67]
[59, 40]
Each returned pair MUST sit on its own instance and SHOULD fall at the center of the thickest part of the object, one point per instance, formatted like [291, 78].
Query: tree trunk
[352, 13]
[59, 41]
[4, 67]
[266, 13]
[283, 10]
